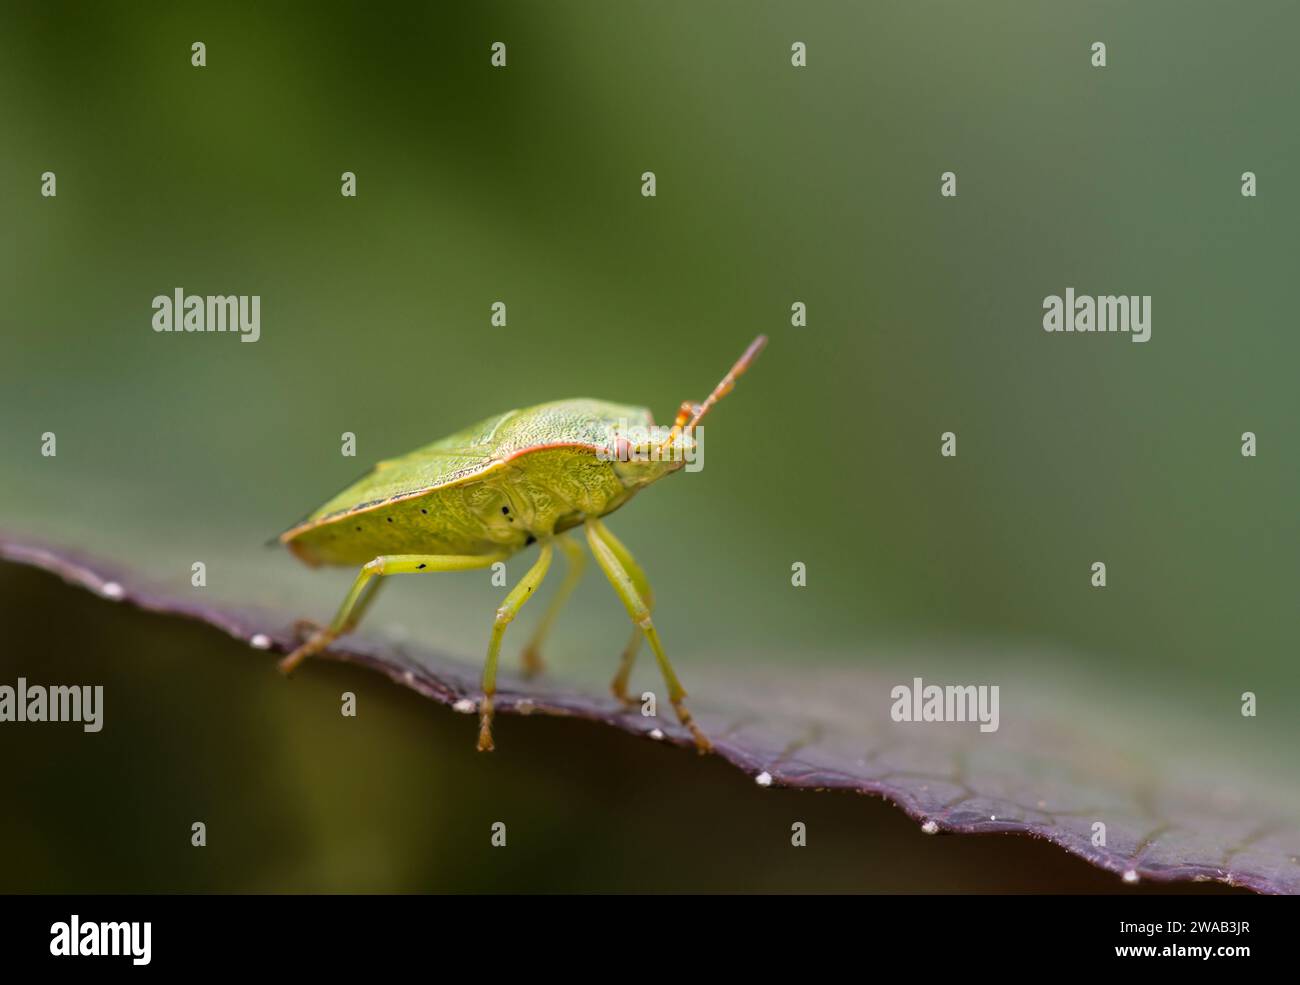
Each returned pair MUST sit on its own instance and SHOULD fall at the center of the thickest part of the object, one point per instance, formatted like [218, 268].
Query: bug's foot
[319, 640]
[485, 743]
[305, 629]
[531, 662]
[618, 688]
[289, 664]
[702, 743]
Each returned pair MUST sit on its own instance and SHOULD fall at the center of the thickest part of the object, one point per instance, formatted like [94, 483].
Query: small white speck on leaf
[465, 706]
[260, 641]
[930, 828]
[1130, 875]
[764, 779]
[656, 733]
[111, 590]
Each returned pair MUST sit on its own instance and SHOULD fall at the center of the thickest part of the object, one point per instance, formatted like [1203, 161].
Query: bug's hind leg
[364, 589]
[531, 658]
[509, 609]
[599, 538]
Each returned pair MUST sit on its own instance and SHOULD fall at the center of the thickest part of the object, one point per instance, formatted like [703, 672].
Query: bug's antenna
[691, 414]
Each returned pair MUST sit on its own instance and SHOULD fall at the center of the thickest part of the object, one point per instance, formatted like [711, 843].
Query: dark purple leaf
[1053, 776]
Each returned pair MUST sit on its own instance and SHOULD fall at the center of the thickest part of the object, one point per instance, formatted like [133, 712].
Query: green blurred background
[522, 185]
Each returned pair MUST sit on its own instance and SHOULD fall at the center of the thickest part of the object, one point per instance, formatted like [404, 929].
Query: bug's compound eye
[627, 443]
[620, 449]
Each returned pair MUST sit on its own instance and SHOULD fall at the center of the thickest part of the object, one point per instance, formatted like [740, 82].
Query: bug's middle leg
[531, 658]
[509, 609]
[366, 586]
[598, 537]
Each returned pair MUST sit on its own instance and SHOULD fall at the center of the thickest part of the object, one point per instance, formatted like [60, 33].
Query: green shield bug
[482, 494]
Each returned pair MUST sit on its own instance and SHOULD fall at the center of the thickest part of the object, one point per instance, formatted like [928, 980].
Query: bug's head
[643, 458]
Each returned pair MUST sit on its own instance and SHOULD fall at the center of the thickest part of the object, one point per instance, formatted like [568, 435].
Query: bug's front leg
[509, 609]
[599, 539]
[367, 583]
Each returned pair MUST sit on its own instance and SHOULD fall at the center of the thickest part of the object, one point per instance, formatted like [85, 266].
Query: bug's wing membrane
[418, 472]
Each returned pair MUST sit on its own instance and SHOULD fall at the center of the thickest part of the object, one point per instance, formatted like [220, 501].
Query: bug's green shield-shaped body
[480, 495]
[493, 487]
